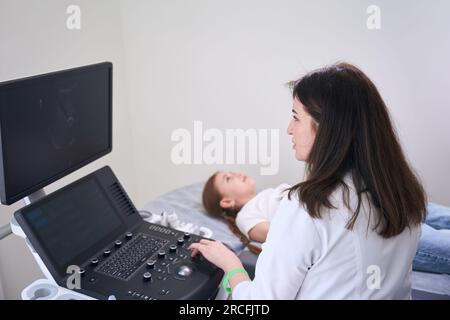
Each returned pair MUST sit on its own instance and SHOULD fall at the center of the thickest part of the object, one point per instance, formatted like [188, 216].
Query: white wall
[34, 39]
[225, 62]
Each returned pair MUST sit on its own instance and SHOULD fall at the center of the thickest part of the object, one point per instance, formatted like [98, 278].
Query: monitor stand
[34, 197]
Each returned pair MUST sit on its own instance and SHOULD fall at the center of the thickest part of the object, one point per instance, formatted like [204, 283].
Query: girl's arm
[259, 232]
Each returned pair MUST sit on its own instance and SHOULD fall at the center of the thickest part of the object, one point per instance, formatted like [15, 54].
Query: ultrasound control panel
[90, 231]
[151, 264]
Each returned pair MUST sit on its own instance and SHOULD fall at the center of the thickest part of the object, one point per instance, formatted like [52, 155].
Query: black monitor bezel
[10, 199]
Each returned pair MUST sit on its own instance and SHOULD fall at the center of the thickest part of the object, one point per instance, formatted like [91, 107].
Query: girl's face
[236, 189]
[302, 128]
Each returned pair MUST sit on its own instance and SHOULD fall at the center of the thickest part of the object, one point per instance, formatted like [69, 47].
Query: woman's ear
[227, 203]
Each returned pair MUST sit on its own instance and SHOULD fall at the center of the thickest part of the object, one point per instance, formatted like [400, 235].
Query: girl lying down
[248, 214]
[232, 196]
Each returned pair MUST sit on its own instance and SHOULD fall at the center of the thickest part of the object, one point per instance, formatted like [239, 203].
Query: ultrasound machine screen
[72, 221]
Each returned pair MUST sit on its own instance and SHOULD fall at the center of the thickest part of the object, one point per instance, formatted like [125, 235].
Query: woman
[358, 213]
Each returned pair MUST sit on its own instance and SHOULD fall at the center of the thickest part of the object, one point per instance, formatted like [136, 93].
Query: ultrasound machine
[87, 237]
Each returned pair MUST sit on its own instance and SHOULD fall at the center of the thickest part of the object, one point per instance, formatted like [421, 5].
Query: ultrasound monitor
[52, 125]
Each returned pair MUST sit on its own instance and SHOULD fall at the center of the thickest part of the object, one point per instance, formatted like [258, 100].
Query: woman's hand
[217, 253]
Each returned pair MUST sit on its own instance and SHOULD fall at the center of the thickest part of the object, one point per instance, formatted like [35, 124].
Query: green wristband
[228, 277]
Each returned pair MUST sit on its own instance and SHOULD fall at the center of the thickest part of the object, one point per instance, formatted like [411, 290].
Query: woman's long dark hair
[355, 135]
[211, 202]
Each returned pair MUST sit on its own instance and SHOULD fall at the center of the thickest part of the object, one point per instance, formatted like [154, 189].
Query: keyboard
[124, 262]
